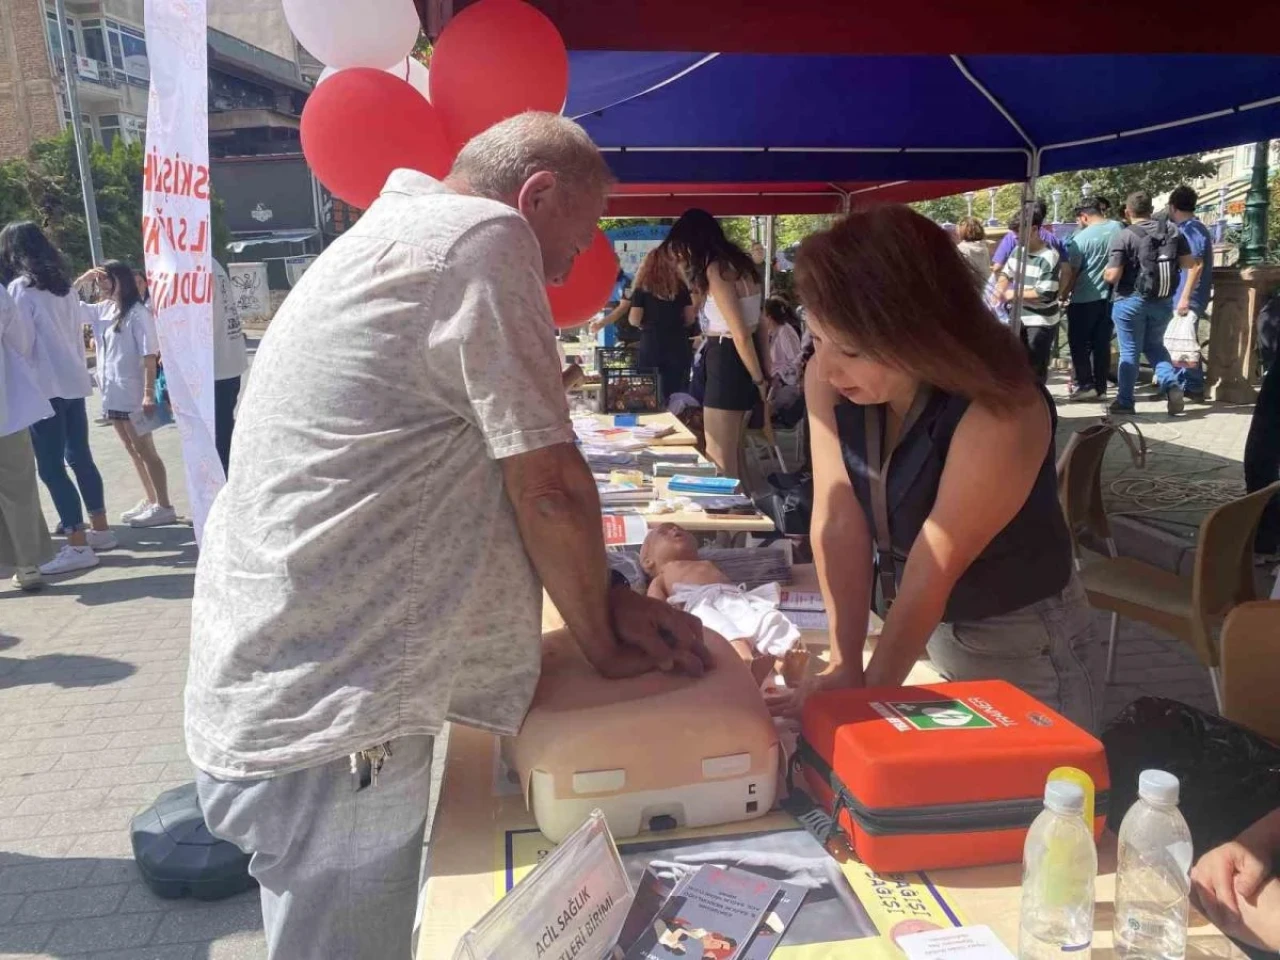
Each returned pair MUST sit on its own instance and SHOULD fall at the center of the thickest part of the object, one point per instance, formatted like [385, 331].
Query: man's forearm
[558, 514]
[1193, 281]
[1265, 834]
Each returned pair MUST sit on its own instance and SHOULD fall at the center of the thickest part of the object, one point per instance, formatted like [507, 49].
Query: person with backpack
[1195, 290]
[1143, 266]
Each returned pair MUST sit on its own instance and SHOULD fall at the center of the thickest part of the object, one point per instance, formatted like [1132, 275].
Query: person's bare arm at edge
[988, 452]
[558, 512]
[840, 538]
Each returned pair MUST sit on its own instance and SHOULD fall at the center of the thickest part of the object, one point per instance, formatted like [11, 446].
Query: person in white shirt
[407, 484]
[786, 366]
[24, 536]
[38, 282]
[127, 372]
[229, 362]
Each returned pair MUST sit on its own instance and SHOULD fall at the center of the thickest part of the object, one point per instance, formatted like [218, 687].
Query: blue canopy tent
[774, 118]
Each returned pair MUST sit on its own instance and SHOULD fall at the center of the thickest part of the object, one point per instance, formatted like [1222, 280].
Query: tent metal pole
[769, 223]
[1024, 235]
[991, 98]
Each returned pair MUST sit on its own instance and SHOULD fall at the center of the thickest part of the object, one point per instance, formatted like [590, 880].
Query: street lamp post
[1086, 190]
[1254, 248]
[991, 194]
[77, 132]
[1220, 227]
[1057, 199]
[968, 198]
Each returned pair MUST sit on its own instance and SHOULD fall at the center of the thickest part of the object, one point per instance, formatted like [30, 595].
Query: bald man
[406, 485]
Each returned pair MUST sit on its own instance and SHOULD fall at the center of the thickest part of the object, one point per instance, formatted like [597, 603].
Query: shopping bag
[1181, 339]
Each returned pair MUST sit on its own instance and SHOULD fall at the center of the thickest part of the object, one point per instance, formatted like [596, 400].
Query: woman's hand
[149, 403]
[93, 273]
[838, 676]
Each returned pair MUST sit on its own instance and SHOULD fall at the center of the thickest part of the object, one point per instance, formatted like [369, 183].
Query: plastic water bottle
[1153, 875]
[1059, 866]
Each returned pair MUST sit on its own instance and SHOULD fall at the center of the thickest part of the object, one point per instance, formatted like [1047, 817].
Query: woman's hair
[780, 312]
[887, 282]
[697, 239]
[971, 228]
[125, 294]
[659, 275]
[25, 251]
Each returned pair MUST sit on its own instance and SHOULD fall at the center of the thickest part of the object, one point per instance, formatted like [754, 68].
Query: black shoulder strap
[878, 480]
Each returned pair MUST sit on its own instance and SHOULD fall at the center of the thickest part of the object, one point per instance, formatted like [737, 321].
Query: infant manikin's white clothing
[739, 614]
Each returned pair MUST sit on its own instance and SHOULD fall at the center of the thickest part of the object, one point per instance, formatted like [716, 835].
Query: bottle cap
[1158, 787]
[1062, 796]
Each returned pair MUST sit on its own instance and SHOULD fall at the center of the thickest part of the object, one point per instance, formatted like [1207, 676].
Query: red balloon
[588, 285]
[360, 124]
[495, 59]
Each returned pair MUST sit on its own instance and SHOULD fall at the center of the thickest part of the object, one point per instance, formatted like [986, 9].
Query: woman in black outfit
[663, 311]
[722, 272]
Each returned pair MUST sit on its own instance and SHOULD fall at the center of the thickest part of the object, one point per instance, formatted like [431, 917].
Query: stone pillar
[1238, 295]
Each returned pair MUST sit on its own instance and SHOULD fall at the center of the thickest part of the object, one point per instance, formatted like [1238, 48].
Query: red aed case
[946, 775]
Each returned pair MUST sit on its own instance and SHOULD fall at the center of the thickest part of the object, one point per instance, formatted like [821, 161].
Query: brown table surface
[681, 437]
[461, 886]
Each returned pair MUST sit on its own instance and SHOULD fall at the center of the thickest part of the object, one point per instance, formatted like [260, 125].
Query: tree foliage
[44, 186]
[1114, 183]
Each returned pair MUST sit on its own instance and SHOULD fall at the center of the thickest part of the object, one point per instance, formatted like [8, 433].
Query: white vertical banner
[176, 233]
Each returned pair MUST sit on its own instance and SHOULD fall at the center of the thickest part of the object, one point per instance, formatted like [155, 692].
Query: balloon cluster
[375, 108]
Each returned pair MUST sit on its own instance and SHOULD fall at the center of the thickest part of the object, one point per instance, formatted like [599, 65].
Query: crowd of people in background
[1148, 279]
[44, 420]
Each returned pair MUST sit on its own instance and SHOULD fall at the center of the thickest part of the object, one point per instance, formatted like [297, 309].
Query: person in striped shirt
[1040, 314]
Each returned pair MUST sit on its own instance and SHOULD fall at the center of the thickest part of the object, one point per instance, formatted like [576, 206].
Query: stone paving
[91, 677]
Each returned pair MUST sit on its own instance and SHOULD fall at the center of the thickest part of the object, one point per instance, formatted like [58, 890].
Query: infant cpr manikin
[656, 751]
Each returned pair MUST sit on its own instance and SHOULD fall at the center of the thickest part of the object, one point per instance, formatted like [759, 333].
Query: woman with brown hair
[718, 269]
[662, 310]
[933, 450]
[971, 241]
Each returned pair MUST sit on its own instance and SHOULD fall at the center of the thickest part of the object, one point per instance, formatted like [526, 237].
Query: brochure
[717, 912]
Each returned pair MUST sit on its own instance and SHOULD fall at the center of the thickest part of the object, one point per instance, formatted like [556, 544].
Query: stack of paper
[805, 608]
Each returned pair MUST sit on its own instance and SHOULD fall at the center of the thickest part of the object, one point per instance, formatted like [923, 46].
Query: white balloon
[343, 33]
[408, 69]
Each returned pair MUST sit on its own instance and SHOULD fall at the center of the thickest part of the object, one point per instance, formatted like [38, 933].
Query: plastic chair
[1250, 647]
[1190, 608]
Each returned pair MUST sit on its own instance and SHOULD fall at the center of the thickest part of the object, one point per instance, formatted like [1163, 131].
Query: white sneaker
[101, 539]
[70, 559]
[155, 516]
[28, 578]
[136, 510]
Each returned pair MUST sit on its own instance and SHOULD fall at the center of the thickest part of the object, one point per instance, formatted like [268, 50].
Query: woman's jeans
[1140, 326]
[61, 441]
[1047, 649]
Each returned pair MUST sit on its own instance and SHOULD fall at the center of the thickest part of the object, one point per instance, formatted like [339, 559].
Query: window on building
[94, 40]
[108, 128]
[1226, 168]
[128, 48]
[51, 24]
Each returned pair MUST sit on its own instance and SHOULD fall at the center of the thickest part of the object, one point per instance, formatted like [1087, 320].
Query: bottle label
[1138, 927]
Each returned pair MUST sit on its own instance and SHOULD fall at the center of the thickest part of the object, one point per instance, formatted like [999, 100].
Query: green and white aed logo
[938, 715]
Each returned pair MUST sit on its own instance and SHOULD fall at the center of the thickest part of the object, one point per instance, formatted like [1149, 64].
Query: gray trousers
[24, 536]
[338, 868]
[1047, 649]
